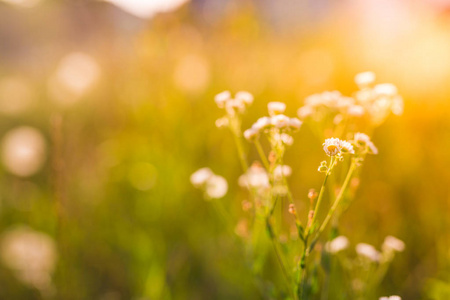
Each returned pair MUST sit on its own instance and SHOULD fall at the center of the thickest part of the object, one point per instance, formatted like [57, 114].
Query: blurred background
[107, 108]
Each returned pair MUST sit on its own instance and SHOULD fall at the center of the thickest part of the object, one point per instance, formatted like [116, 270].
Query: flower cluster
[374, 101]
[213, 185]
[242, 100]
[278, 126]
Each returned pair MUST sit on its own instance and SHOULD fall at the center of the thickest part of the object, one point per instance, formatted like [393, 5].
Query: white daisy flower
[295, 123]
[346, 147]
[332, 146]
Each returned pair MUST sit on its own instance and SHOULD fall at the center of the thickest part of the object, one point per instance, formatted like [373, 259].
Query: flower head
[332, 146]
[222, 98]
[199, 177]
[276, 108]
[346, 147]
[251, 134]
[244, 97]
[216, 187]
[262, 123]
[365, 79]
[280, 121]
[368, 251]
[393, 244]
[338, 244]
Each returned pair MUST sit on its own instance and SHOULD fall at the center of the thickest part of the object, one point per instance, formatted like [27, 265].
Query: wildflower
[276, 108]
[391, 298]
[199, 177]
[32, 255]
[332, 146]
[365, 79]
[361, 138]
[385, 89]
[393, 244]
[397, 105]
[282, 171]
[222, 122]
[216, 187]
[356, 110]
[284, 138]
[222, 98]
[347, 147]
[280, 121]
[256, 177]
[251, 134]
[244, 97]
[234, 106]
[292, 209]
[338, 244]
[262, 123]
[295, 123]
[304, 112]
[368, 251]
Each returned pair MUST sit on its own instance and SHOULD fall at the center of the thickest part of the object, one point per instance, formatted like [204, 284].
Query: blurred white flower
[361, 138]
[393, 244]
[368, 251]
[222, 98]
[244, 97]
[199, 177]
[76, 73]
[346, 147]
[385, 89]
[283, 138]
[256, 177]
[32, 255]
[355, 110]
[147, 8]
[295, 123]
[23, 151]
[336, 245]
[280, 121]
[276, 108]
[365, 79]
[251, 134]
[282, 171]
[262, 123]
[304, 112]
[216, 187]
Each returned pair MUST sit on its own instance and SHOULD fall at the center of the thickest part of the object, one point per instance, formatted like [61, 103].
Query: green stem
[337, 201]
[262, 155]
[319, 199]
[241, 152]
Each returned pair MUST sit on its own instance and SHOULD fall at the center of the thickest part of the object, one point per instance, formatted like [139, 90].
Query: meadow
[105, 116]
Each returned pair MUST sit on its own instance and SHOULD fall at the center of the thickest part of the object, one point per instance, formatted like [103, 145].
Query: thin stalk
[319, 199]
[337, 201]
[262, 155]
[241, 152]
